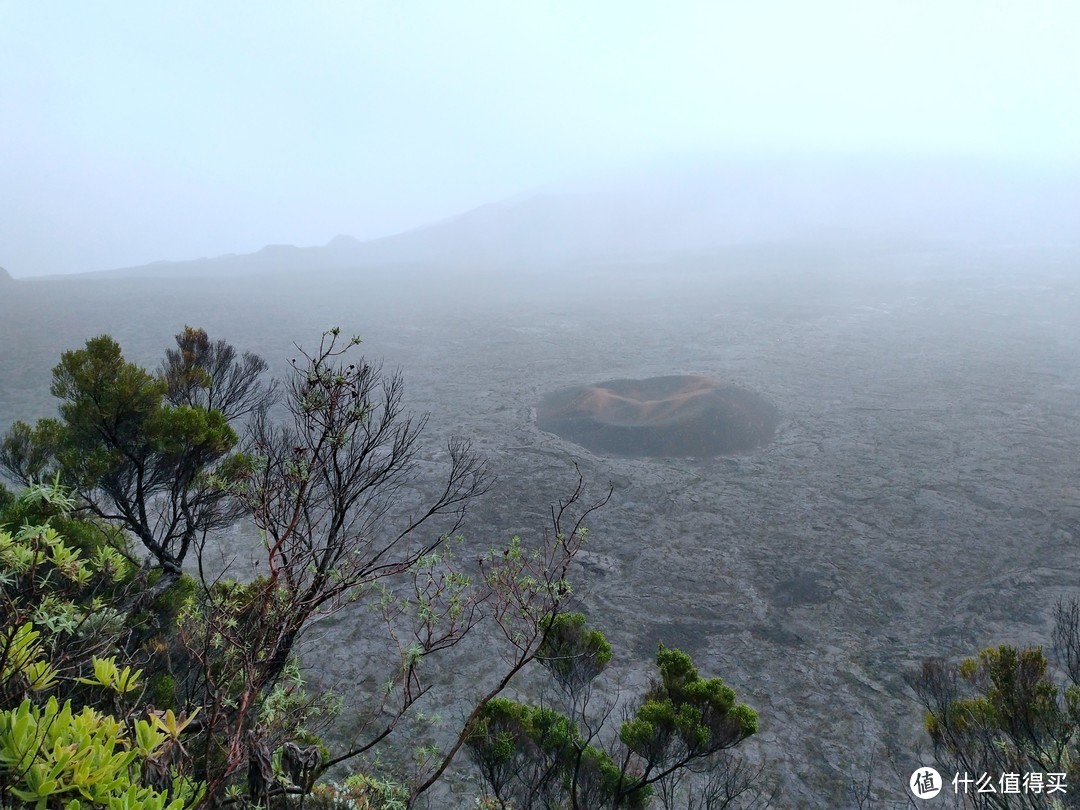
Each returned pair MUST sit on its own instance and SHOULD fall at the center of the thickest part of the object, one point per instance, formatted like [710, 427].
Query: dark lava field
[919, 496]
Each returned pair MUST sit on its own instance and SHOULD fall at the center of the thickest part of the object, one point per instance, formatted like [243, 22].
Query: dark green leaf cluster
[538, 756]
[152, 452]
[685, 716]
[573, 653]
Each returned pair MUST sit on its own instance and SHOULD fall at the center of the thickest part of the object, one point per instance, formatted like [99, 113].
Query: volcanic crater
[673, 416]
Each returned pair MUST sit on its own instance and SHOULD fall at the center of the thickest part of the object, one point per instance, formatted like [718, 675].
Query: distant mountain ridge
[337, 254]
[699, 210]
[5, 276]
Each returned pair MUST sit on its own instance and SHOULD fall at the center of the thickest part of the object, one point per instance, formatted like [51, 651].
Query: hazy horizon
[136, 134]
[795, 284]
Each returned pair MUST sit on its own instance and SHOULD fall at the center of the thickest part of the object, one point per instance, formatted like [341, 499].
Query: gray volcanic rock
[5, 276]
[688, 416]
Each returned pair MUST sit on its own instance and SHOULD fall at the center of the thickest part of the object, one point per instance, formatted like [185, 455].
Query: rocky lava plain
[920, 496]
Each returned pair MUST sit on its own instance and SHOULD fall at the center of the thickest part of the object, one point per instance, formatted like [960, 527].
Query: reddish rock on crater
[660, 416]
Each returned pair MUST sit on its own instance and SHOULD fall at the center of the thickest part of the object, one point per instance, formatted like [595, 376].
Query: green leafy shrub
[685, 715]
[61, 606]
[511, 741]
[52, 756]
[534, 756]
[572, 652]
[1005, 709]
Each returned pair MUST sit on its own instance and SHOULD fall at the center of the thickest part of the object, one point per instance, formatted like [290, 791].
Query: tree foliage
[58, 603]
[538, 757]
[332, 489]
[180, 689]
[1005, 712]
[147, 451]
[73, 732]
[52, 756]
[327, 488]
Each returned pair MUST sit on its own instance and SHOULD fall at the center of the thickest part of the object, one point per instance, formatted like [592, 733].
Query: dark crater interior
[660, 416]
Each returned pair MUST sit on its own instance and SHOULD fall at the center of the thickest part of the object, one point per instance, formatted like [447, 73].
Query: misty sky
[137, 131]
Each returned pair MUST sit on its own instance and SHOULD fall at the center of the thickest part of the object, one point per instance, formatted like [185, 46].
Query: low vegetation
[131, 677]
[1011, 715]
